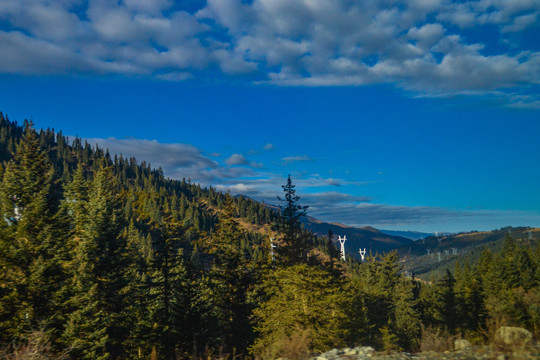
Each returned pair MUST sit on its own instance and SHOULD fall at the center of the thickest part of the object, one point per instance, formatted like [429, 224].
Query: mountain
[366, 237]
[413, 235]
[435, 254]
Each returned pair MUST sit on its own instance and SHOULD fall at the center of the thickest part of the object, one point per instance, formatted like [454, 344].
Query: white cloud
[521, 22]
[298, 42]
[173, 155]
[174, 76]
[187, 161]
[177, 160]
[286, 161]
[154, 7]
[428, 35]
[237, 159]
[238, 189]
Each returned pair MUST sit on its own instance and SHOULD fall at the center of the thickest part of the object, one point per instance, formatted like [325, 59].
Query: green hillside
[367, 237]
[435, 255]
[103, 257]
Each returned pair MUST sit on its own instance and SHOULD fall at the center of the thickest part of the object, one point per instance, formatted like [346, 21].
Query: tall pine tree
[31, 243]
[96, 329]
[294, 245]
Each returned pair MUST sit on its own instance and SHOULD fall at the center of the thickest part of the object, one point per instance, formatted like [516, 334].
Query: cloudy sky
[412, 115]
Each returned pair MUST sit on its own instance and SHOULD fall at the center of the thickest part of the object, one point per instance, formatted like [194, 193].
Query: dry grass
[36, 346]
[435, 339]
[296, 347]
[293, 347]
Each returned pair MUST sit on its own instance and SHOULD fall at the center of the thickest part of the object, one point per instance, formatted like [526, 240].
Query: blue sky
[412, 115]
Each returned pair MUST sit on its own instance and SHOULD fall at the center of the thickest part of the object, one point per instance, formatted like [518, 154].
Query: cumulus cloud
[333, 198]
[422, 218]
[521, 22]
[177, 160]
[187, 161]
[417, 45]
[381, 215]
[286, 161]
[237, 159]
[171, 155]
[238, 189]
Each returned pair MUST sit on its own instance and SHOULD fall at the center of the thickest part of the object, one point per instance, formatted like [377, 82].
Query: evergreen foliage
[300, 298]
[384, 305]
[108, 259]
[294, 245]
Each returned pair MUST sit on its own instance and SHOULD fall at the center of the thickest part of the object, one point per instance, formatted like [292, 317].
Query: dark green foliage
[231, 276]
[300, 299]
[384, 305]
[95, 328]
[446, 301]
[31, 242]
[470, 308]
[462, 247]
[294, 245]
[111, 260]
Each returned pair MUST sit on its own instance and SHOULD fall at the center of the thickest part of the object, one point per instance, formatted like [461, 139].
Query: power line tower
[362, 253]
[272, 247]
[342, 242]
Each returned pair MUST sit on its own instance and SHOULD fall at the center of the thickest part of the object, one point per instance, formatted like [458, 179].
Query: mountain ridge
[436, 254]
[367, 237]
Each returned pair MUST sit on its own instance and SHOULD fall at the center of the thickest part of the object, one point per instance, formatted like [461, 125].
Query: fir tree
[294, 247]
[231, 275]
[300, 299]
[447, 301]
[95, 329]
[31, 242]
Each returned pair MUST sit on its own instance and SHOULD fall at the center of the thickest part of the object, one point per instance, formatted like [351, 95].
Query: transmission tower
[362, 253]
[342, 242]
[272, 247]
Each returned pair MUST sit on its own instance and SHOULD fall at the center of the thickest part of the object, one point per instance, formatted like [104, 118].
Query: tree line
[109, 259]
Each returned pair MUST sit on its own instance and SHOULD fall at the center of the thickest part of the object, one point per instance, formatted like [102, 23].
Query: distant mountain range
[438, 253]
[420, 253]
[366, 237]
[413, 235]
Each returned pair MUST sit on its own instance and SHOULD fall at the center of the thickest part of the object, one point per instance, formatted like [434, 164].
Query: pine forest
[104, 257]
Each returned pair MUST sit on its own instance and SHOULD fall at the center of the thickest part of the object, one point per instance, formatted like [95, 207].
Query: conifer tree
[447, 301]
[302, 305]
[159, 279]
[385, 303]
[95, 328]
[295, 242]
[31, 242]
[231, 275]
[168, 290]
[470, 307]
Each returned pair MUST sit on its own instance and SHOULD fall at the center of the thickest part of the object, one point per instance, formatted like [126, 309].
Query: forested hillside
[104, 258]
[365, 237]
[434, 255]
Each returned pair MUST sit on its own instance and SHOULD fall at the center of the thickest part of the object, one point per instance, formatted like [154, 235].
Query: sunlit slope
[436, 254]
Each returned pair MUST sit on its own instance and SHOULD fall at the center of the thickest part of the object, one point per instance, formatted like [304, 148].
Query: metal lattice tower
[342, 242]
[272, 247]
[362, 253]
